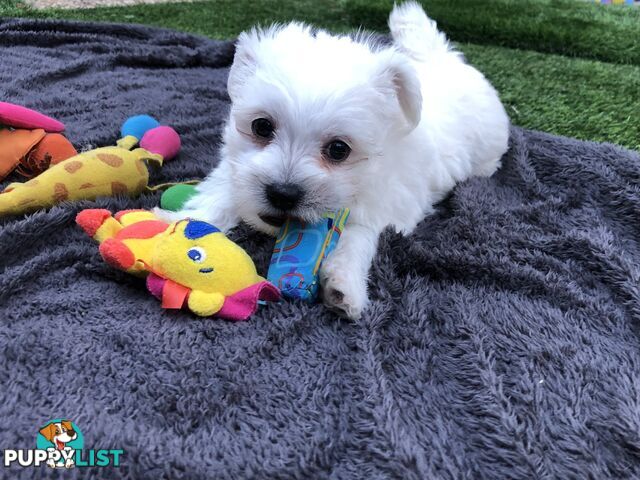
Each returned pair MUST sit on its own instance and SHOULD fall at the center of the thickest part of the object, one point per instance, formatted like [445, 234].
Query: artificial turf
[564, 66]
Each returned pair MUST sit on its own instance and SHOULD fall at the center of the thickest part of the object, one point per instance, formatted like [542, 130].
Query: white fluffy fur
[418, 120]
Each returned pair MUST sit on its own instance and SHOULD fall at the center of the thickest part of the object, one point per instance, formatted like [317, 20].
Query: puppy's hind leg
[487, 169]
[213, 202]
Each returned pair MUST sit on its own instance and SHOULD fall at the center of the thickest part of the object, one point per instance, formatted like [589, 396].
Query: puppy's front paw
[343, 291]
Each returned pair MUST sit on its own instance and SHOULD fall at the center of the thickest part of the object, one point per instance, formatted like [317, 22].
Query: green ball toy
[176, 196]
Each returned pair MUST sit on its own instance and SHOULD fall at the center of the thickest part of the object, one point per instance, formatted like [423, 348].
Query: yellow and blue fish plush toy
[188, 263]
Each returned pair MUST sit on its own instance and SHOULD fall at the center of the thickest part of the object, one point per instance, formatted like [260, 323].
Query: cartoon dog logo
[60, 433]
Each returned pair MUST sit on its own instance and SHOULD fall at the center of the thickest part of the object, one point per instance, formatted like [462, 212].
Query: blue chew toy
[300, 250]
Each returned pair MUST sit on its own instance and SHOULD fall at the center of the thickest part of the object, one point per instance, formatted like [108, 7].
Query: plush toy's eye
[197, 254]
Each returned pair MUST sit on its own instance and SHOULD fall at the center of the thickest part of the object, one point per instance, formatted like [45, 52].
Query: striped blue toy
[299, 252]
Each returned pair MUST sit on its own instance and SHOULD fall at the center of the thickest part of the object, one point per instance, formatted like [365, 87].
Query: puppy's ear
[244, 62]
[48, 432]
[395, 76]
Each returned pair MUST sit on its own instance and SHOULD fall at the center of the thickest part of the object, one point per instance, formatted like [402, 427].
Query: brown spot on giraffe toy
[112, 160]
[60, 192]
[73, 166]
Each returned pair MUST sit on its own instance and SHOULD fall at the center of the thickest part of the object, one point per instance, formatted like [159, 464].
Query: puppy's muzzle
[284, 196]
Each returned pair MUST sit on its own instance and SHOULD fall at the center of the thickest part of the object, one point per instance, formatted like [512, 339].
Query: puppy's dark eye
[337, 151]
[262, 127]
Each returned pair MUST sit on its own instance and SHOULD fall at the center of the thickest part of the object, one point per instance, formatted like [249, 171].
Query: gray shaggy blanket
[501, 342]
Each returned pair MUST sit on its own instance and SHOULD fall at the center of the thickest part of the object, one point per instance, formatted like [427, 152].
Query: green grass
[569, 27]
[569, 67]
[579, 98]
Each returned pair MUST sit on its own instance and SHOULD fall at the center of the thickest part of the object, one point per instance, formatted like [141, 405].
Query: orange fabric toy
[30, 141]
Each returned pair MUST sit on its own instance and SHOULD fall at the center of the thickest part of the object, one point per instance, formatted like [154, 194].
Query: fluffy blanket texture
[501, 342]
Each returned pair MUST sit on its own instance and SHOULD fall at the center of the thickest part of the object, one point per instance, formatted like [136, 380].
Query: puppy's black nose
[284, 196]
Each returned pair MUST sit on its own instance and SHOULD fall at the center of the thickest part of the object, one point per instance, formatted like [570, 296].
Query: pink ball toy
[22, 117]
[164, 141]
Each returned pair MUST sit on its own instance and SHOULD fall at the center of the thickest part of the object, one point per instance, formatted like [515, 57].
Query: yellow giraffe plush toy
[106, 171]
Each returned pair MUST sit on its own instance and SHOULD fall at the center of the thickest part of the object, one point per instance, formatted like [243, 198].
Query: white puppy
[319, 122]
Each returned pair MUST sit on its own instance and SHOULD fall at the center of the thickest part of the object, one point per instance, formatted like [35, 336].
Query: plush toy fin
[155, 285]
[174, 295]
[243, 304]
[197, 229]
[117, 254]
[98, 224]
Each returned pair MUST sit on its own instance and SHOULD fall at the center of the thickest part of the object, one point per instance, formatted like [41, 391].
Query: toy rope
[164, 186]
